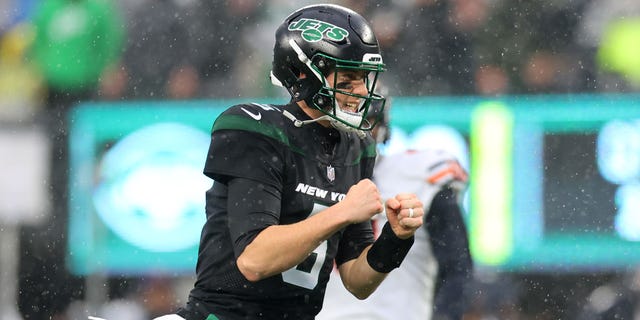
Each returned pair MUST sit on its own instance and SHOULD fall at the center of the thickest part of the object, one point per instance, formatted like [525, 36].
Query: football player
[439, 262]
[292, 190]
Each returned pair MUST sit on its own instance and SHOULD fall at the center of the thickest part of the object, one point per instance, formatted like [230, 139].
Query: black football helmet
[317, 40]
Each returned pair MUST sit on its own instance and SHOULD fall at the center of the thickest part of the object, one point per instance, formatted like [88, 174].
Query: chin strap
[334, 123]
[300, 123]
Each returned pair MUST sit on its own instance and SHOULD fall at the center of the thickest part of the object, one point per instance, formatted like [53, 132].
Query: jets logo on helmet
[372, 57]
[315, 30]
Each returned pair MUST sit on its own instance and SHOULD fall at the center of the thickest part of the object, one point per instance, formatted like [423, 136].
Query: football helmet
[379, 115]
[317, 40]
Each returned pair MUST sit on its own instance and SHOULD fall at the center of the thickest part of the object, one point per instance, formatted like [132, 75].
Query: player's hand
[362, 201]
[404, 213]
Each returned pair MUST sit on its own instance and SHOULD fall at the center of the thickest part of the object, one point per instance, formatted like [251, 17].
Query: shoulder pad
[436, 167]
[257, 118]
[254, 111]
[442, 168]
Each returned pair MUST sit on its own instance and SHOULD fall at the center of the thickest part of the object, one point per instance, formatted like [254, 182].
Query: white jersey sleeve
[424, 173]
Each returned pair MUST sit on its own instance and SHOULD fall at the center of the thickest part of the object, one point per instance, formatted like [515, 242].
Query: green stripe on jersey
[368, 152]
[234, 122]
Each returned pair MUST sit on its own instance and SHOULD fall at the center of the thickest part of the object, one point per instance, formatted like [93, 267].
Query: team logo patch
[331, 173]
[313, 30]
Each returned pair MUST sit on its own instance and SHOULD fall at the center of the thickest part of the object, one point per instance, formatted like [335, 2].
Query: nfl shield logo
[331, 173]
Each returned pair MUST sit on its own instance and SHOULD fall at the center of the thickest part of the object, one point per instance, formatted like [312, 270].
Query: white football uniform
[408, 292]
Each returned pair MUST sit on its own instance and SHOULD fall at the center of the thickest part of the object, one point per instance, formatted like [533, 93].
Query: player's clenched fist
[404, 213]
[362, 201]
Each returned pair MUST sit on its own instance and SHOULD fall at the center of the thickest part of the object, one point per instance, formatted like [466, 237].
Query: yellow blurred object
[20, 83]
[15, 42]
[619, 51]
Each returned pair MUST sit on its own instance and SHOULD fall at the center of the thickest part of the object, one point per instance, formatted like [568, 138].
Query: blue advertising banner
[554, 180]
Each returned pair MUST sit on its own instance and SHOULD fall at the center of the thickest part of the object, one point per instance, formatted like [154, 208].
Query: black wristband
[388, 251]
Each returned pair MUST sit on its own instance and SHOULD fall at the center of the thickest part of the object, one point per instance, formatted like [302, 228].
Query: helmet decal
[372, 57]
[315, 30]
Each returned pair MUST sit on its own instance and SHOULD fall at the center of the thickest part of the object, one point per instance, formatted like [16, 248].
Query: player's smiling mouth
[351, 106]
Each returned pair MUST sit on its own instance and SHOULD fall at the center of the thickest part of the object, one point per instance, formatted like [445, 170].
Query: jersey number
[307, 273]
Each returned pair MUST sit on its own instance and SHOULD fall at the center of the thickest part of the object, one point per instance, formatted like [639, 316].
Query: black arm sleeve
[252, 207]
[450, 245]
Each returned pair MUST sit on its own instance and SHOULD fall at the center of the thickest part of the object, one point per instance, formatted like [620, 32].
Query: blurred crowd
[56, 53]
[186, 49]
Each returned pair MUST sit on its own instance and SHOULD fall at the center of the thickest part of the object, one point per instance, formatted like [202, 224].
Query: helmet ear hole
[287, 81]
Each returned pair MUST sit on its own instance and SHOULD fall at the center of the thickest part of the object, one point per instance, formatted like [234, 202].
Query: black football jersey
[311, 167]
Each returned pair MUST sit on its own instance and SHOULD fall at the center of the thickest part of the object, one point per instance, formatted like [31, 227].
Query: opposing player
[292, 190]
[439, 262]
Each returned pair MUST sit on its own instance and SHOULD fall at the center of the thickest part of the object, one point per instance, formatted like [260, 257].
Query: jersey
[307, 169]
[408, 292]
